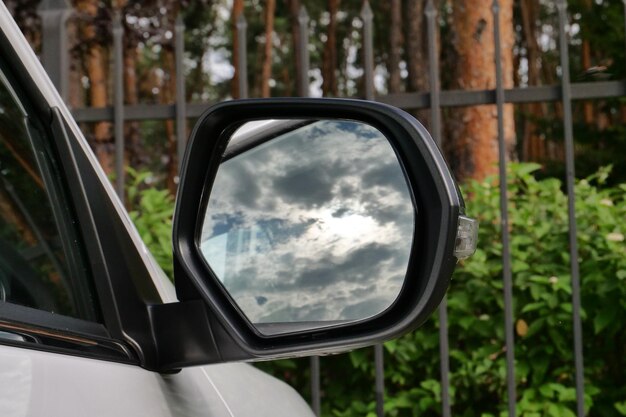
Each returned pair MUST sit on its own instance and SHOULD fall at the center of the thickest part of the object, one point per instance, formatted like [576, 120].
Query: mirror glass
[309, 223]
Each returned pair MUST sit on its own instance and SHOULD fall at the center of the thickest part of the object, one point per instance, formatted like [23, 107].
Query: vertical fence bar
[571, 206]
[304, 91]
[54, 48]
[368, 50]
[433, 71]
[379, 384]
[242, 56]
[435, 120]
[368, 78]
[181, 105]
[504, 218]
[118, 104]
[316, 400]
[304, 59]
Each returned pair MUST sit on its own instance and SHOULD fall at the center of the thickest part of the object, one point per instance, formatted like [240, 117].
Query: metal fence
[54, 16]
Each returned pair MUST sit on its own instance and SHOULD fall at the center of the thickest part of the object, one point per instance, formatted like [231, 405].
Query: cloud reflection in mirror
[314, 225]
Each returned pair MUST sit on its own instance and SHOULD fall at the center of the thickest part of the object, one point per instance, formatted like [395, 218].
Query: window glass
[39, 255]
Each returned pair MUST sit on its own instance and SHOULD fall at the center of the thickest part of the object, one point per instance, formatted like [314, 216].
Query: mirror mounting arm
[185, 335]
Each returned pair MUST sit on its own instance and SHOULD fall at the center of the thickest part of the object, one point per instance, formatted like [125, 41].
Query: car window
[40, 261]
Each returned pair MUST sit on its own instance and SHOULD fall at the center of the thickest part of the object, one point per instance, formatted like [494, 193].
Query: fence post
[54, 48]
[368, 50]
[368, 79]
[303, 46]
[118, 103]
[181, 105]
[504, 219]
[435, 120]
[303, 91]
[316, 401]
[433, 71]
[379, 388]
[566, 96]
[242, 56]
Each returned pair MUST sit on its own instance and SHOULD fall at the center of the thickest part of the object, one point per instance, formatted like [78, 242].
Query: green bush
[542, 309]
[152, 210]
[542, 292]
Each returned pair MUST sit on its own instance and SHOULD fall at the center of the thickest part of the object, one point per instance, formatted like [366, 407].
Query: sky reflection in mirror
[314, 225]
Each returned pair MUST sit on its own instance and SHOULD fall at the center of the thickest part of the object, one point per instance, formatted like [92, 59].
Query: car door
[66, 339]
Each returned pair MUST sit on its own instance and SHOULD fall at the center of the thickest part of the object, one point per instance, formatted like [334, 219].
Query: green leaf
[546, 390]
[535, 326]
[533, 306]
[621, 407]
[604, 318]
[553, 410]
[525, 168]
[567, 394]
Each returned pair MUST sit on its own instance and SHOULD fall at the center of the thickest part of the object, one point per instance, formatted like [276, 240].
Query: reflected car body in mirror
[313, 225]
[325, 225]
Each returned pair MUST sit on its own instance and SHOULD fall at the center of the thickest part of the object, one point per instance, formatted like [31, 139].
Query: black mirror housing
[432, 259]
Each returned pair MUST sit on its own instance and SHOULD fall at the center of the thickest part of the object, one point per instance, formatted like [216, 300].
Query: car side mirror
[310, 226]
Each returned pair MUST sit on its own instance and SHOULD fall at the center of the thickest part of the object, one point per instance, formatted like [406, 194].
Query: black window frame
[78, 277]
[39, 329]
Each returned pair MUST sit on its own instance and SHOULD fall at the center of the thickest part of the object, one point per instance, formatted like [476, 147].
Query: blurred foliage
[152, 211]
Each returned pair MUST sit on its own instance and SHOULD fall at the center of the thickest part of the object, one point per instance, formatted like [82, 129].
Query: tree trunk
[254, 90]
[96, 63]
[417, 52]
[11, 215]
[416, 45]
[294, 10]
[76, 91]
[533, 144]
[473, 147]
[136, 151]
[24, 160]
[329, 58]
[237, 10]
[395, 47]
[266, 72]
